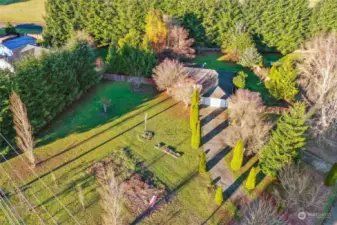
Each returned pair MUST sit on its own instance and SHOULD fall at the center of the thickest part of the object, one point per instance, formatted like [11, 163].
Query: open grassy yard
[22, 11]
[85, 134]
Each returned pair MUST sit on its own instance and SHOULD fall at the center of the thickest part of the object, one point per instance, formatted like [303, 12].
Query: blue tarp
[19, 42]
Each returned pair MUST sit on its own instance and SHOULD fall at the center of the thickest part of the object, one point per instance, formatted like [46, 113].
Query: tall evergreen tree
[324, 17]
[283, 24]
[286, 142]
[59, 22]
[251, 180]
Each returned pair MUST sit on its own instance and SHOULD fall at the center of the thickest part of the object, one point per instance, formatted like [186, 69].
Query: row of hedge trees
[282, 24]
[48, 84]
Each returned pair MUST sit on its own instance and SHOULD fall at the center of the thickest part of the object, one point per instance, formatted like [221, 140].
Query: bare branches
[111, 199]
[248, 122]
[22, 126]
[167, 73]
[261, 212]
[319, 81]
[299, 190]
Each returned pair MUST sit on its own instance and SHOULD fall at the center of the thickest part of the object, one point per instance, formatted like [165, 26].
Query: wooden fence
[130, 79]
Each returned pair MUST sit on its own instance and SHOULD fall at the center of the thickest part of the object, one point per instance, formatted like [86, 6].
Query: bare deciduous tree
[183, 90]
[261, 212]
[22, 126]
[299, 190]
[179, 44]
[111, 198]
[318, 79]
[167, 74]
[248, 121]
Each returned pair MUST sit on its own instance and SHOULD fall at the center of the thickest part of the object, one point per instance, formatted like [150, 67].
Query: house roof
[207, 78]
[23, 51]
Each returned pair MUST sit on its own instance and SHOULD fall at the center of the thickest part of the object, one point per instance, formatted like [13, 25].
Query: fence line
[130, 79]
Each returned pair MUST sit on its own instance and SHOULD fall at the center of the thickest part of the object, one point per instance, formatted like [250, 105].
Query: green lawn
[22, 11]
[84, 134]
[213, 61]
[22, 31]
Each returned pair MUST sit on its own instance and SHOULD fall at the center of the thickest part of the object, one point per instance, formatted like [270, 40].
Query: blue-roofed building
[19, 42]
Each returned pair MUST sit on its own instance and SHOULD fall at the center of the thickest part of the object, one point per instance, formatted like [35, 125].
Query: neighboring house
[15, 49]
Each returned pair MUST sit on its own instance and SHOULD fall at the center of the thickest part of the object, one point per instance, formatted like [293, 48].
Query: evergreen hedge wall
[48, 84]
[283, 24]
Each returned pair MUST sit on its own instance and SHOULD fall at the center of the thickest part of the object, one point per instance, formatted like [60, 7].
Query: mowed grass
[23, 11]
[84, 135]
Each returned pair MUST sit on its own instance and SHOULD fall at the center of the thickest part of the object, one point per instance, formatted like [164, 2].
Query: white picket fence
[214, 102]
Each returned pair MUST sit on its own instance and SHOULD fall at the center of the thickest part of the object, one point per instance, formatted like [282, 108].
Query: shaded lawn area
[84, 134]
[253, 82]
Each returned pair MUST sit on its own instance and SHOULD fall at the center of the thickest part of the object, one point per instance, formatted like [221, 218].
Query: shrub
[219, 195]
[166, 74]
[282, 79]
[202, 163]
[250, 58]
[299, 189]
[10, 29]
[194, 112]
[251, 180]
[196, 136]
[240, 80]
[331, 178]
[237, 159]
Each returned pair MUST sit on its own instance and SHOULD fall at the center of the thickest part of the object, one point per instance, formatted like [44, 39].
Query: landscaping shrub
[251, 180]
[202, 163]
[282, 78]
[194, 111]
[10, 29]
[286, 141]
[219, 195]
[250, 58]
[331, 178]
[196, 136]
[240, 80]
[48, 84]
[237, 159]
[129, 60]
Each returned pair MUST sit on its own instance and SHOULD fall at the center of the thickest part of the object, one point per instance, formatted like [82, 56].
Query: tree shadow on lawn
[96, 147]
[86, 113]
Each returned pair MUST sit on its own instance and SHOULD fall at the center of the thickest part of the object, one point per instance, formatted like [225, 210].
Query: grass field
[84, 134]
[22, 11]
